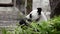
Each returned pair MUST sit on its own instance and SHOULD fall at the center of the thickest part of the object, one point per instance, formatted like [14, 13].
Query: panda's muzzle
[28, 20]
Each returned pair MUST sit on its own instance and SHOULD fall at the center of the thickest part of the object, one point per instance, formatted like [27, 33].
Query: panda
[34, 15]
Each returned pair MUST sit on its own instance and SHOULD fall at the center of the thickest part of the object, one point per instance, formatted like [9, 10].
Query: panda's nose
[29, 20]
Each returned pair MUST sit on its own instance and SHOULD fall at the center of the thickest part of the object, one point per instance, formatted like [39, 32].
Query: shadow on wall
[20, 4]
[56, 10]
[29, 6]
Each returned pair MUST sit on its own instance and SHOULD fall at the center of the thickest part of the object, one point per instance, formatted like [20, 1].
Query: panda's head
[34, 15]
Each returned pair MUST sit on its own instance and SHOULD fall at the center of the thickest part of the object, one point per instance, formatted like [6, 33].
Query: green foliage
[50, 27]
[4, 31]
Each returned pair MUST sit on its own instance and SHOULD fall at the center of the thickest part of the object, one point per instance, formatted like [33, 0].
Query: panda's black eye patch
[30, 16]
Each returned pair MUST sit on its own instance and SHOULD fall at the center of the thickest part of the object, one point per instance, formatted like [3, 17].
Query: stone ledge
[8, 23]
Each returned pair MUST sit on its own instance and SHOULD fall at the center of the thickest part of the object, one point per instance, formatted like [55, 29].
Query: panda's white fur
[35, 15]
[43, 16]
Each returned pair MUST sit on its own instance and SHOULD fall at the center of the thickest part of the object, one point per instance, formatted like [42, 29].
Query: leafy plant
[50, 27]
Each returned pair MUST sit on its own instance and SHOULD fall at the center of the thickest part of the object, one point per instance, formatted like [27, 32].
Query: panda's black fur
[30, 16]
[23, 20]
[39, 11]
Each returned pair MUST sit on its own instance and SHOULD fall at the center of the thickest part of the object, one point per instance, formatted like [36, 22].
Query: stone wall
[5, 1]
[55, 8]
[8, 14]
[53, 3]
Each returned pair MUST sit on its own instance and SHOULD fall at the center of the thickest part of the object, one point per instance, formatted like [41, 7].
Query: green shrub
[50, 27]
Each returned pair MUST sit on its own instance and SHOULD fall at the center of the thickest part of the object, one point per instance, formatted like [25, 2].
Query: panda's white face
[34, 15]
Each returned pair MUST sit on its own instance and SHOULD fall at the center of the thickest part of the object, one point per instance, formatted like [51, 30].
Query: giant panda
[34, 15]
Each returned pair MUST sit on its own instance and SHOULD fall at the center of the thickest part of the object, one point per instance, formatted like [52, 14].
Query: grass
[50, 27]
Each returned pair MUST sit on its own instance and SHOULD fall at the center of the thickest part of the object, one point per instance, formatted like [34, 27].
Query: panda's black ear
[39, 10]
